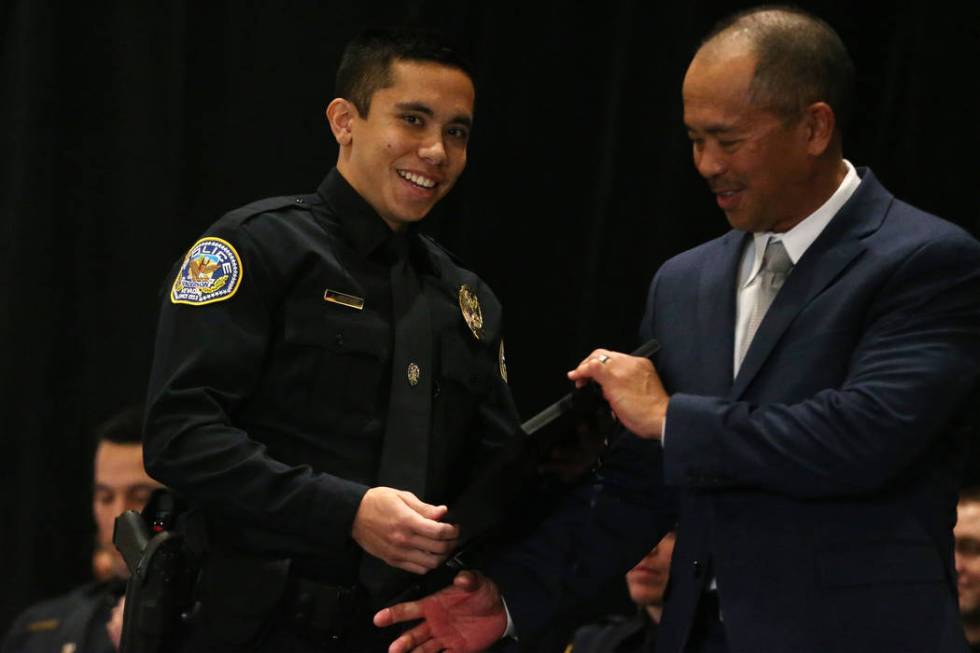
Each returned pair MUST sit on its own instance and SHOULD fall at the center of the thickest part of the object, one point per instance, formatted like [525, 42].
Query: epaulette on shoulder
[272, 204]
[440, 249]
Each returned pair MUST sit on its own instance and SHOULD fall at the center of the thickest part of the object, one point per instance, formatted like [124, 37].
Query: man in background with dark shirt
[77, 622]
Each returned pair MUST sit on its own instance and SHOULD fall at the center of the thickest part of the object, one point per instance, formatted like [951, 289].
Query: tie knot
[775, 260]
[395, 249]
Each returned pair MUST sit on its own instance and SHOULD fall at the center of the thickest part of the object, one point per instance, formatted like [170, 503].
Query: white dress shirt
[796, 241]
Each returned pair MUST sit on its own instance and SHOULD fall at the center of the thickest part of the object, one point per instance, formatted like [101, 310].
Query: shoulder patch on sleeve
[211, 272]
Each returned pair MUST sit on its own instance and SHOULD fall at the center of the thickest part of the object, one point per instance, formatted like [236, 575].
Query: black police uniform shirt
[272, 373]
[72, 623]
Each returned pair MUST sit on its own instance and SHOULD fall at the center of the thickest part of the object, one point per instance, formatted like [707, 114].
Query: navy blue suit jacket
[818, 486]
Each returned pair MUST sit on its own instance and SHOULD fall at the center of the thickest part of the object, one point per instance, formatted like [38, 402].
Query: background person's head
[402, 118]
[121, 484]
[647, 581]
[967, 535]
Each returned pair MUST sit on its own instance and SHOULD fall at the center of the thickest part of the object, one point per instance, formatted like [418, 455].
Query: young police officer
[325, 378]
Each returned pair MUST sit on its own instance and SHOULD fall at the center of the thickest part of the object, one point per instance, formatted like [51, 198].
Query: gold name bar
[343, 299]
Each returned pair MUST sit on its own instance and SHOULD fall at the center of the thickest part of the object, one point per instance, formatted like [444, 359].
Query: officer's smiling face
[408, 151]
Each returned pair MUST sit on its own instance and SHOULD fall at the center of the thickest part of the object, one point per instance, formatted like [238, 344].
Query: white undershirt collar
[798, 239]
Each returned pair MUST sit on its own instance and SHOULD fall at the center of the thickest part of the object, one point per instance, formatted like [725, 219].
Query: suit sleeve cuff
[692, 456]
[510, 622]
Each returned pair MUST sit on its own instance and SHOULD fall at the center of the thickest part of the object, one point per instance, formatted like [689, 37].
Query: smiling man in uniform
[326, 379]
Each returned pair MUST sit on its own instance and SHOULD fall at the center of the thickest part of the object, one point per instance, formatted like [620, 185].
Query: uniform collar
[361, 225]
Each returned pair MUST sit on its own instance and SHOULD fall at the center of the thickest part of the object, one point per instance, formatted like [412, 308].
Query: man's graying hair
[801, 60]
[366, 63]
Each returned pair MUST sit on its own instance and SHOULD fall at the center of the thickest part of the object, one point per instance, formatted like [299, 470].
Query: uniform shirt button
[339, 339]
[299, 200]
[698, 568]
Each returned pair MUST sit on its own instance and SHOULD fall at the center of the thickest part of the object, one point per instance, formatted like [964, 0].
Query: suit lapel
[819, 267]
[716, 313]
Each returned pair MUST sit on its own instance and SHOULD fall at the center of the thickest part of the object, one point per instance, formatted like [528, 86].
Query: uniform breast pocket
[462, 385]
[346, 353]
[464, 367]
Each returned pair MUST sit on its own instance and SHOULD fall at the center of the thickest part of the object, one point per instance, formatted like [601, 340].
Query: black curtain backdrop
[129, 127]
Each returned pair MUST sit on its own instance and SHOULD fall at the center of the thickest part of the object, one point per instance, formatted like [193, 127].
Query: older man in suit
[817, 361]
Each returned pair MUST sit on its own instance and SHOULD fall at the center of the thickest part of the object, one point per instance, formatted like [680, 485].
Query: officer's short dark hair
[366, 64]
[124, 427]
[801, 60]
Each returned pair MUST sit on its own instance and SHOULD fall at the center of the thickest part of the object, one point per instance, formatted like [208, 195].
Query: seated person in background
[77, 622]
[967, 534]
[646, 583]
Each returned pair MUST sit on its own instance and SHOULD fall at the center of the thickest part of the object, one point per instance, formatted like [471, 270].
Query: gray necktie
[776, 266]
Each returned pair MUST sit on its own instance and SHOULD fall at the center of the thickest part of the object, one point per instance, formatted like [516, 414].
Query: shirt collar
[798, 239]
[361, 225]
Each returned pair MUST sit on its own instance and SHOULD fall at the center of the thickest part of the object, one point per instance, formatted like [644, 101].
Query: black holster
[159, 589]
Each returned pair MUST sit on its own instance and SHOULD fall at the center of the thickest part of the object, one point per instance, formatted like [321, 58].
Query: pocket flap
[337, 328]
[461, 363]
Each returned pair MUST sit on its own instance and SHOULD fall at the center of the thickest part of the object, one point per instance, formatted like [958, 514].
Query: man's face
[121, 484]
[755, 162]
[648, 580]
[407, 153]
[967, 534]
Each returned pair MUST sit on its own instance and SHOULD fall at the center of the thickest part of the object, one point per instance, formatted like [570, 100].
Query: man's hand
[632, 387]
[466, 617]
[405, 532]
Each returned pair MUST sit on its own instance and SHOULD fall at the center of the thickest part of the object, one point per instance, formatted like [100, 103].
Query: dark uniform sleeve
[208, 360]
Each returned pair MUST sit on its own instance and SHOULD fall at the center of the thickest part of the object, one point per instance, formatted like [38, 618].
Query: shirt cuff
[510, 622]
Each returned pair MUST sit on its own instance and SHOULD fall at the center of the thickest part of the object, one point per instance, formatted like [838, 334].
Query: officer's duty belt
[236, 608]
[326, 610]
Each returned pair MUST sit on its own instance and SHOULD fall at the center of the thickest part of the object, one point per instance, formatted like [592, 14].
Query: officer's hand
[465, 617]
[632, 387]
[405, 532]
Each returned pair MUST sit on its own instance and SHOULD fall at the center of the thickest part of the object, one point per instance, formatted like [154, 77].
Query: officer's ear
[340, 114]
